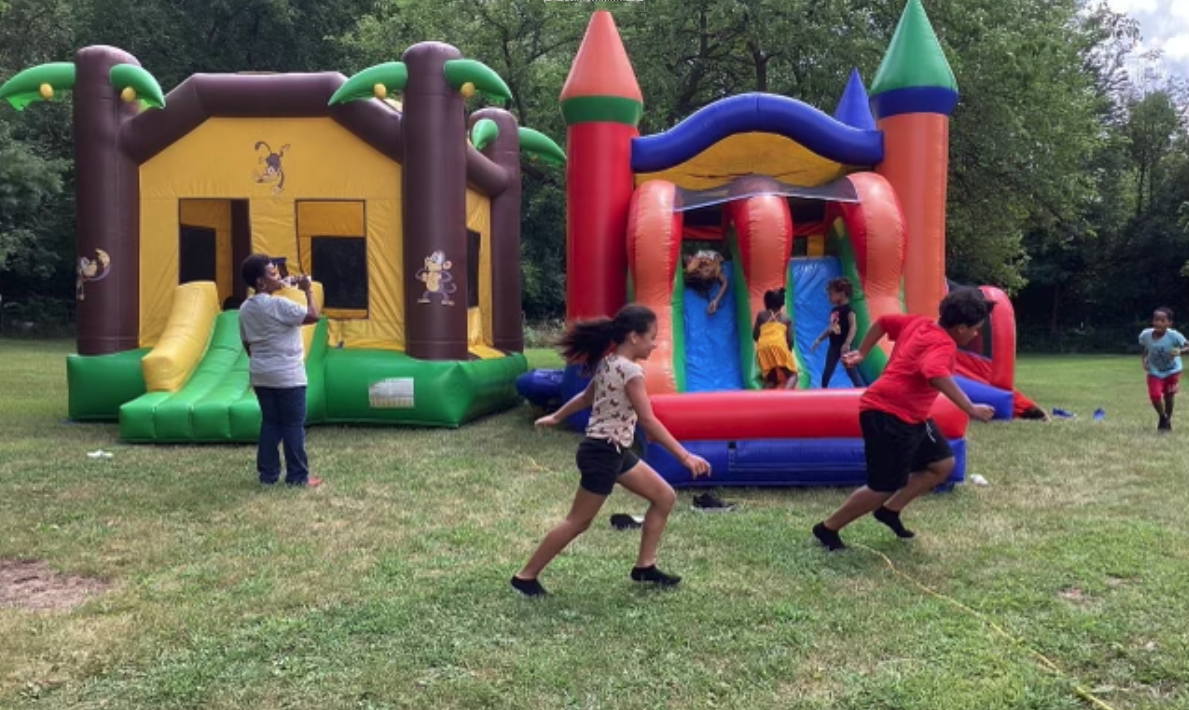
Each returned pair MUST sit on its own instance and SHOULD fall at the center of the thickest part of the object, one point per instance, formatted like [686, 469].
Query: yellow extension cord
[1039, 657]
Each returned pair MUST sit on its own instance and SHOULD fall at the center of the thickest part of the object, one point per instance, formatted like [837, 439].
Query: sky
[1165, 26]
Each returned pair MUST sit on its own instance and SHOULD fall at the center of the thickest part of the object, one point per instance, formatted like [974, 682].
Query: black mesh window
[340, 264]
[197, 251]
[806, 211]
[474, 245]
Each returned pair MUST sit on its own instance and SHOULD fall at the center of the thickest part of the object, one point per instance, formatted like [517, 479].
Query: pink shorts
[1160, 387]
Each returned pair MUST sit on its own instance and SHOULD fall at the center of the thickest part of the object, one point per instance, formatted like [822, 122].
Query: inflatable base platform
[346, 386]
[758, 462]
[782, 462]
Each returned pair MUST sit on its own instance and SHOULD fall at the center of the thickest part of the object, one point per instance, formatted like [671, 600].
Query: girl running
[617, 399]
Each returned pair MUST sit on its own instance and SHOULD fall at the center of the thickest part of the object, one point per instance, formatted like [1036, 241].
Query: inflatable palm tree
[467, 77]
[130, 82]
[436, 81]
[110, 88]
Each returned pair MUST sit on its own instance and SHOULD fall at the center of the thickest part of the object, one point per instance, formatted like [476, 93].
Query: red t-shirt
[922, 352]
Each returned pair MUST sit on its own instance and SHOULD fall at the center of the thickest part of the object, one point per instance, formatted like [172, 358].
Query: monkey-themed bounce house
[791, 197]
[406, 216]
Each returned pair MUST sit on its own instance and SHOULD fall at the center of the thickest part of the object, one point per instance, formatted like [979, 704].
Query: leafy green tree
[1154, 121]
[29, 188]
[36, 207]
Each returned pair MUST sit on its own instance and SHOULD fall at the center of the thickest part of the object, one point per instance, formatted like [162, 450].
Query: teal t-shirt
[1162, 360]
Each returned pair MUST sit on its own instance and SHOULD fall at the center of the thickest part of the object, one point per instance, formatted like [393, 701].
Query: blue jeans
[283, 418]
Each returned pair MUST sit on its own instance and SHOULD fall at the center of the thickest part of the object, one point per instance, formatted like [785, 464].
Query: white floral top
[612, 417]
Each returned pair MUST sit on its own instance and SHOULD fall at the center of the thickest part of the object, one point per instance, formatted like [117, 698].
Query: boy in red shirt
[906, 453]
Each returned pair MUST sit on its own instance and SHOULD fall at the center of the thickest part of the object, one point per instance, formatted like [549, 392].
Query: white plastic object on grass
[979, 480]
[99, 454]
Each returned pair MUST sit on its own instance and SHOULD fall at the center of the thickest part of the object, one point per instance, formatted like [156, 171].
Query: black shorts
[895, 448]
[601, 463]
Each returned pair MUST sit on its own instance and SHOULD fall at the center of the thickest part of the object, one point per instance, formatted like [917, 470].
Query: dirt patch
[33, 586]
[1077, 597]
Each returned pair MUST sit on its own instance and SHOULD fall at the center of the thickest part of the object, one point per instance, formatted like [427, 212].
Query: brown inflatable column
[507, 323]
[107, 208]
[434, 204]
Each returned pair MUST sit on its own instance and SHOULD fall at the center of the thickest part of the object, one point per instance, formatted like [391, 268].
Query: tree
[36, 208]
[1154, 121]
[1067, 173]
[177, 39]
[29, 186]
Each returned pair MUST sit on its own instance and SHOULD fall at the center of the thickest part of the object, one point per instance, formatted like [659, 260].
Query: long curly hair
[587, 342]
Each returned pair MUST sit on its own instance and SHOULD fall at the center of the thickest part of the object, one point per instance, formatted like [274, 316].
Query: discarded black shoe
[623, 521]
[706, 503]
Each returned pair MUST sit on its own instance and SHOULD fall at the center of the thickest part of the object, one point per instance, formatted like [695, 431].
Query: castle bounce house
[406, 216]
[791, 197]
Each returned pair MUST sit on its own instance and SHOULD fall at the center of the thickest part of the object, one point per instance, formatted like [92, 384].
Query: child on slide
[702, 271]
[773, 333]
[617, 400]
[841, 331]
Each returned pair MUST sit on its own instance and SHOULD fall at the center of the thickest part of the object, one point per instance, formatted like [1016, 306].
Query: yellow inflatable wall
[321, 162]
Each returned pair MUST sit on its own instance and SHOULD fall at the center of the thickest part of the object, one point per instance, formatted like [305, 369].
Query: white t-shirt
[271, 326]
[612, 417]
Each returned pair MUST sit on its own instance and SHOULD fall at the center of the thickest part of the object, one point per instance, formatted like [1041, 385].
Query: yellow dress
[772, 349]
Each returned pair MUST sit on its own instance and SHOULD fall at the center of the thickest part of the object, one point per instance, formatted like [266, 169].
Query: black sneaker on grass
[1164, 425]
[623, 521]
[706, 503]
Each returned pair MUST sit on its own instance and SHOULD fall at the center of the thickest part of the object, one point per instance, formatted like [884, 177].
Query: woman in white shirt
[270, 327]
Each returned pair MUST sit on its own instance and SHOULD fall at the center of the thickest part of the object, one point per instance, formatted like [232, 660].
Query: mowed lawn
[388, 587]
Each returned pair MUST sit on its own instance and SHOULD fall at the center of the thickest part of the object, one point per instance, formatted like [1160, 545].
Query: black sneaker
[623, 521]
[706, 503]
[1164, 425]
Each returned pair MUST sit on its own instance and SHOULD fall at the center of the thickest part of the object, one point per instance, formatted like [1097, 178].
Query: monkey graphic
[437, 278]
[95, 269]
[273, 171]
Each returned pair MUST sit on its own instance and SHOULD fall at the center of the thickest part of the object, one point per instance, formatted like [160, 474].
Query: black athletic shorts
[896, 448]
[601, 463]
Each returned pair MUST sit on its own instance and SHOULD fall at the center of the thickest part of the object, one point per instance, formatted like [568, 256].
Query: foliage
[36, 204]
[1068, 172]
[29, 184]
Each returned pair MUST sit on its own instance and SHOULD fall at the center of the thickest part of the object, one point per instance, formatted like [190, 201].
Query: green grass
[387, 588]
